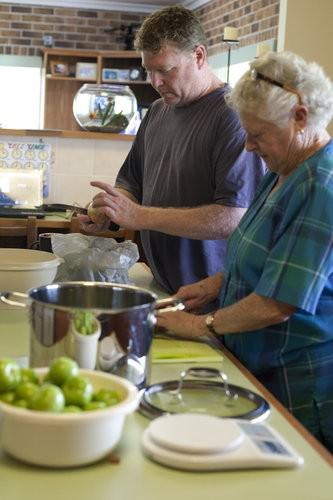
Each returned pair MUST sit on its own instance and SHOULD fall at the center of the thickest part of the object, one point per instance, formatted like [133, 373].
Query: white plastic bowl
[68, 439]
[21, 269]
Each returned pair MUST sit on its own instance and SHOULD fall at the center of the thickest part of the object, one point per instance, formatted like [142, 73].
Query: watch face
[210, 323]
[135, 74]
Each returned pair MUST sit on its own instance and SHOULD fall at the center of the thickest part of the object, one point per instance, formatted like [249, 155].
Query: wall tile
[68, 188]
[109, 157]
[75, 156]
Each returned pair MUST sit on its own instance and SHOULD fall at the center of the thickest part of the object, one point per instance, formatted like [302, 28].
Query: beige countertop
[135, 477]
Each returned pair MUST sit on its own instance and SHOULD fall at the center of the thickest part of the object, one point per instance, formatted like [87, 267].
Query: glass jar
[104, 108]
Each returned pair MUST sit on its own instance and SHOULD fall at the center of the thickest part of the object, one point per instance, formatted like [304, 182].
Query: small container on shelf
[137, 73]
[59, 68]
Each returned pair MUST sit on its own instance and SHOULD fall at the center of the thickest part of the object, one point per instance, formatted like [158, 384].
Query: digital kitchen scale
[192, 441]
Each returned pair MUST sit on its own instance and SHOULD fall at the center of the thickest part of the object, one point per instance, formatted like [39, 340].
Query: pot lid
[208, 393]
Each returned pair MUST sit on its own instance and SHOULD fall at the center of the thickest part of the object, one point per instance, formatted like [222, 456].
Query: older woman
[276, 298]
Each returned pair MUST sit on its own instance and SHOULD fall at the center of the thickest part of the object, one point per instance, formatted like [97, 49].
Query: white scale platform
[204, 442]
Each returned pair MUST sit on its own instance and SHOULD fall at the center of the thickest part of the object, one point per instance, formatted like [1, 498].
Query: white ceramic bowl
[68, 439]
[21, 269]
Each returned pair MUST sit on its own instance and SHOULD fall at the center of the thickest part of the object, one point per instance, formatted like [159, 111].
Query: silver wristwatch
[210, 323]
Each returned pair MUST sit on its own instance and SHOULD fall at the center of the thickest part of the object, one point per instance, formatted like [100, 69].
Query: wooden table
[60, 223]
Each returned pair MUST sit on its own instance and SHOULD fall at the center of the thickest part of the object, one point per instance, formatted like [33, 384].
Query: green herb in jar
[85, 323]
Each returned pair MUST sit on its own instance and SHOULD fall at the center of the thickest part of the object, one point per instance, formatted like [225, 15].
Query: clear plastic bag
[92, 258]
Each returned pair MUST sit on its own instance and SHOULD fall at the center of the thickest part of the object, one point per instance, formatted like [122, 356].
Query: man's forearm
[209, 222]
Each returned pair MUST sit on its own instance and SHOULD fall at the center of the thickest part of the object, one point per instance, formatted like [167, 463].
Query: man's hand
[117, 206]
[92, 227]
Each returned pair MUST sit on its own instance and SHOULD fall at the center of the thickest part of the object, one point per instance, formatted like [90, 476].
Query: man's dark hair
[172, 24]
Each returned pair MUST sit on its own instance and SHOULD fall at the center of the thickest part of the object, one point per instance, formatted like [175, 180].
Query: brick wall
[256, 20]
[22, 27]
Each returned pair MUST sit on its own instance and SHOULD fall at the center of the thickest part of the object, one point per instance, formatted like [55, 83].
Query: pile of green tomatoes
[62, 390]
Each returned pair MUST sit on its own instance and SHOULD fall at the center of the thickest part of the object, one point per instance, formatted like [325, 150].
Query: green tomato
[26, 390]
[107, 396]
[78, 391]
[47, 379]
[29, 375]
[7, 397]
[48, 398]
[62, 369]
[20, 403]
[95, 405]
[10, 374]
[72, 409]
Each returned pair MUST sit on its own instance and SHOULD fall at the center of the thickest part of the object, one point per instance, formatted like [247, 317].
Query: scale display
[204, 442]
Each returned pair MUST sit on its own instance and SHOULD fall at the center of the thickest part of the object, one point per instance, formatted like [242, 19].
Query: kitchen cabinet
[66, 70]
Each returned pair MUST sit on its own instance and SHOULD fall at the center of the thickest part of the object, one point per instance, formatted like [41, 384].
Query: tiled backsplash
[77, 162]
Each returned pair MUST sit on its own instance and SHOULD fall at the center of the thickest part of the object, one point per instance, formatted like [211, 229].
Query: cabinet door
[58, 104]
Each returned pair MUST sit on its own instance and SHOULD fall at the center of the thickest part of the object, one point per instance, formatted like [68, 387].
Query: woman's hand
[182, 323]
[201, 293]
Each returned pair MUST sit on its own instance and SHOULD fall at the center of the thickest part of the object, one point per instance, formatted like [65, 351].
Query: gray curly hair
[172, 24]
[273, 103]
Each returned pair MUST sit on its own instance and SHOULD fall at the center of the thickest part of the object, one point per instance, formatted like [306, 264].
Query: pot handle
[5, 297]
[165, 305]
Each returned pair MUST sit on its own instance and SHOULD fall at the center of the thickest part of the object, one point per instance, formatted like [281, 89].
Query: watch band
[210, 323]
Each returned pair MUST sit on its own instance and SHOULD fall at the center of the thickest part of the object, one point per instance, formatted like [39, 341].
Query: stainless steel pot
[126, 316]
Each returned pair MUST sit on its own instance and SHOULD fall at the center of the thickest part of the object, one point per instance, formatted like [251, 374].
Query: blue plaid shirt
[282, 249]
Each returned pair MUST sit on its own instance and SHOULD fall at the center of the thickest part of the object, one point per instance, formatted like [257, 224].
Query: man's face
[173, 74]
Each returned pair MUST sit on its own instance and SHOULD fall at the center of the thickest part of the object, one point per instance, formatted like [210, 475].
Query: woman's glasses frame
[255, 75]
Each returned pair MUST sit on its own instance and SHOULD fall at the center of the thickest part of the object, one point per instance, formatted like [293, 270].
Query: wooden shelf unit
[59, 91]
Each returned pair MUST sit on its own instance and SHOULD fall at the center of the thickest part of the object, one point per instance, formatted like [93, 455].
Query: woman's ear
[301, 116]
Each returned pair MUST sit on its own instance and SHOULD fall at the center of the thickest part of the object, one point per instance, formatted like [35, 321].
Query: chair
[121, 234]
[20, 233]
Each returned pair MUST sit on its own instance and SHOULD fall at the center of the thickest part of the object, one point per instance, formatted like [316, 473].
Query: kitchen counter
[136, 477]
